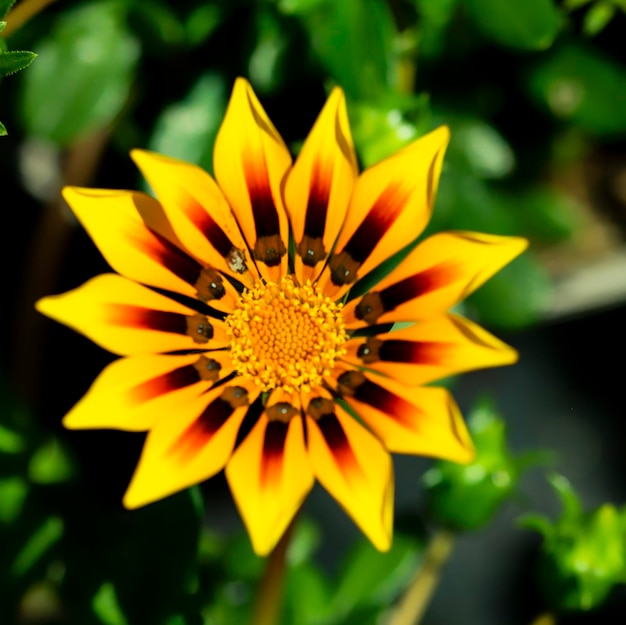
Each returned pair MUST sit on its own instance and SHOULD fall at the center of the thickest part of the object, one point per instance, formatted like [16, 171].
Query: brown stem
[21, 13]
[269, 598]
[416, 598]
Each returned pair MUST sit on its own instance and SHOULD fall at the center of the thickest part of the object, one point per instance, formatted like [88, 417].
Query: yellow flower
[276, 336]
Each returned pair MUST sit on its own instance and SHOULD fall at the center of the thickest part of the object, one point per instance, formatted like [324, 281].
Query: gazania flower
[234, 300]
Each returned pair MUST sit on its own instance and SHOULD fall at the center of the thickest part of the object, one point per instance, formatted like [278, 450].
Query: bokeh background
[535, 95]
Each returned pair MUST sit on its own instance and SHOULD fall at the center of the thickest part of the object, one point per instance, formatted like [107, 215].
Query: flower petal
[319, 186]
[126, 318]
[250, 162]
[131, 393]
[269, 474]
[440, 272]
[114, 222]
[408, 420]
[197, 210]
[353, 467]
[391, 204]
[190, 445]
[430, 350]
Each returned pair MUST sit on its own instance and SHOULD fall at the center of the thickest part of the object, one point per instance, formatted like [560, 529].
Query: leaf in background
[515, 297]
[381, 129]
[13, 491]
[265, 64]
[597, 18]
[3, 130]
[14, 61]
[371, 578]
[106, 606]
[353, 40]
[157, 25]
[583, 86]
[307, 596]
[50, 464]
[531, 24]
[434, 18]
[49, 533]
[202, 21]
[5, 7]
[187, 129]
[84, 75]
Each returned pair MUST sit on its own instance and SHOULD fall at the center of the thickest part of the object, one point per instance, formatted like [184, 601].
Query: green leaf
[572, 508]
[84, 75]
[3, 130]
[583, 86]
[597, 17]
[14, 61]
[515, 297]
[106, 606]
[372, 578]
[531, 24]
[307, 596]
[187, 129]
[13, 491]
[202, 22]
[2, 26]
[47, 535]
[50, 464]
[10, 441]
[5, 7]
[353, 41]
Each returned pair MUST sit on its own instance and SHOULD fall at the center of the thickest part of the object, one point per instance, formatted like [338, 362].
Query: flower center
[285, 335]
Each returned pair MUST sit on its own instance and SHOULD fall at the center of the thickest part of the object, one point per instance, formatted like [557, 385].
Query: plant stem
[416, 598]
[269, 598]
[20, 14]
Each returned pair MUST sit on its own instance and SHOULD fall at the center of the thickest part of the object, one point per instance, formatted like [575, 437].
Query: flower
[218, 317]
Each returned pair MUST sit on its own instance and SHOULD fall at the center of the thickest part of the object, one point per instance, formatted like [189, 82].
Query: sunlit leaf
[84, 75]
[597, 17]
[3, 130]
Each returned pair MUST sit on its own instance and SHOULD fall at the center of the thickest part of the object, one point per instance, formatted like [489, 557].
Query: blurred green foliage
[465, 497]
[583, 555]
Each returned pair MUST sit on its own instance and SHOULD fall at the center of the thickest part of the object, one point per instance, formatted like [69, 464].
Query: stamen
[286, 335]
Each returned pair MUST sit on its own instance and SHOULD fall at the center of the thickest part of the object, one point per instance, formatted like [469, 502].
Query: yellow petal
[270, 476]
[408, 420]
[319, 186]
[440, 272]
[197, 210]
[132, 393]
[391, 204]
[430, 350]
[113, 221]
[127, 318]
[354, 468]
[250, 162]
[189, 445]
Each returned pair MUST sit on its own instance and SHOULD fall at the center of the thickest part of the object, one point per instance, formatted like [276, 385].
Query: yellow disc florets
[285, 335]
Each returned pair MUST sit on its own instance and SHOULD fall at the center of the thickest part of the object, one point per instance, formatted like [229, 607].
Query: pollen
[285, 335]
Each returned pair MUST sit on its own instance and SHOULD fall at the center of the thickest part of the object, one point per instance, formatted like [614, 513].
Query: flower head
[243, 323]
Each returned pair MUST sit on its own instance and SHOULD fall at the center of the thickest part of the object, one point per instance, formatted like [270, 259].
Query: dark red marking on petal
[208, 226]
[317, 206]
[380, 398]
[417, 285]
[380, 218]
[273, 451]
[212, 418]
[163, 384]
[416, 352]
[338, 443]
[146, 318]
[171, 257]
